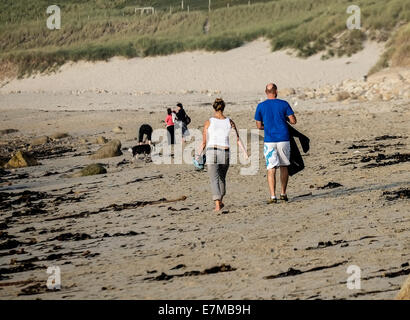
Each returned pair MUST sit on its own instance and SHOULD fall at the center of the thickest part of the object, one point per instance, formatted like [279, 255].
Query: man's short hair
[271, 88]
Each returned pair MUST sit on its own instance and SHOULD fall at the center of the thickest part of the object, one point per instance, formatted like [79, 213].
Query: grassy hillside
[397, 53]
[100, 29]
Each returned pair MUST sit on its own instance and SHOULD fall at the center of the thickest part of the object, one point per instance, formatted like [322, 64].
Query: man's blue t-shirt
[273, 114]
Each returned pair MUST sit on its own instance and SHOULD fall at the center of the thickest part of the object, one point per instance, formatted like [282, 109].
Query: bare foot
[218, 205]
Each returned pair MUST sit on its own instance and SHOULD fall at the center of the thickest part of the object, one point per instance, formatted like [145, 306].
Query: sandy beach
[147, 231]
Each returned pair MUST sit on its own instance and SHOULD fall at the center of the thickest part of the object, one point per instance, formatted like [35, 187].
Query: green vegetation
[100, 29]
[397, 53]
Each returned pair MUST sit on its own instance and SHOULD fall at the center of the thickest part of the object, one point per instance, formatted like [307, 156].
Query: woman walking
[182, 120]
[170, 127]
[215, 139]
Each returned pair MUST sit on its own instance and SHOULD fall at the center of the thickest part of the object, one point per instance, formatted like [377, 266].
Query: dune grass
[397, 53]
[401, 47]
[101, 29]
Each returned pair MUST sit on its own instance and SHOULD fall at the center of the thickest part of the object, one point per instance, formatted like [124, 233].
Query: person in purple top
[272, 116]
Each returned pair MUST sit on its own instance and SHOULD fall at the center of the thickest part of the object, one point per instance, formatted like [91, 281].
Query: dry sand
[328, 230]
[245, 69]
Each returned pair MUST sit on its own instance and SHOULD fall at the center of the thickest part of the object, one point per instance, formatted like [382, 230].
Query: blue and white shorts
[276, 154]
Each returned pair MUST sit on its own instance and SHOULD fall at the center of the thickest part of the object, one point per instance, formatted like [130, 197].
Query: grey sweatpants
[218, 165]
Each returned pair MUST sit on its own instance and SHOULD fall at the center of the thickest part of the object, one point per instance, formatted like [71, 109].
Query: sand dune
[245, 69]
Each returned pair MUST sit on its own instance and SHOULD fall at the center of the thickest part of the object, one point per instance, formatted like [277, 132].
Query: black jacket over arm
[296, 160]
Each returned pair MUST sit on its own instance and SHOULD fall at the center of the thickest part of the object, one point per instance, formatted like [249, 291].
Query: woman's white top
[218, 132]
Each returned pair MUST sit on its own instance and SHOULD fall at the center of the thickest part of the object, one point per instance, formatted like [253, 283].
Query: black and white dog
[142, 150]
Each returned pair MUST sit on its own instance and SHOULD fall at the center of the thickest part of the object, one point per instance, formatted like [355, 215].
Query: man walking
[272, 116]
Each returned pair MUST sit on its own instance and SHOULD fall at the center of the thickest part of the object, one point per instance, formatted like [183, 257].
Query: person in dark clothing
[181, 120]
[181, 114]
[145, 130]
